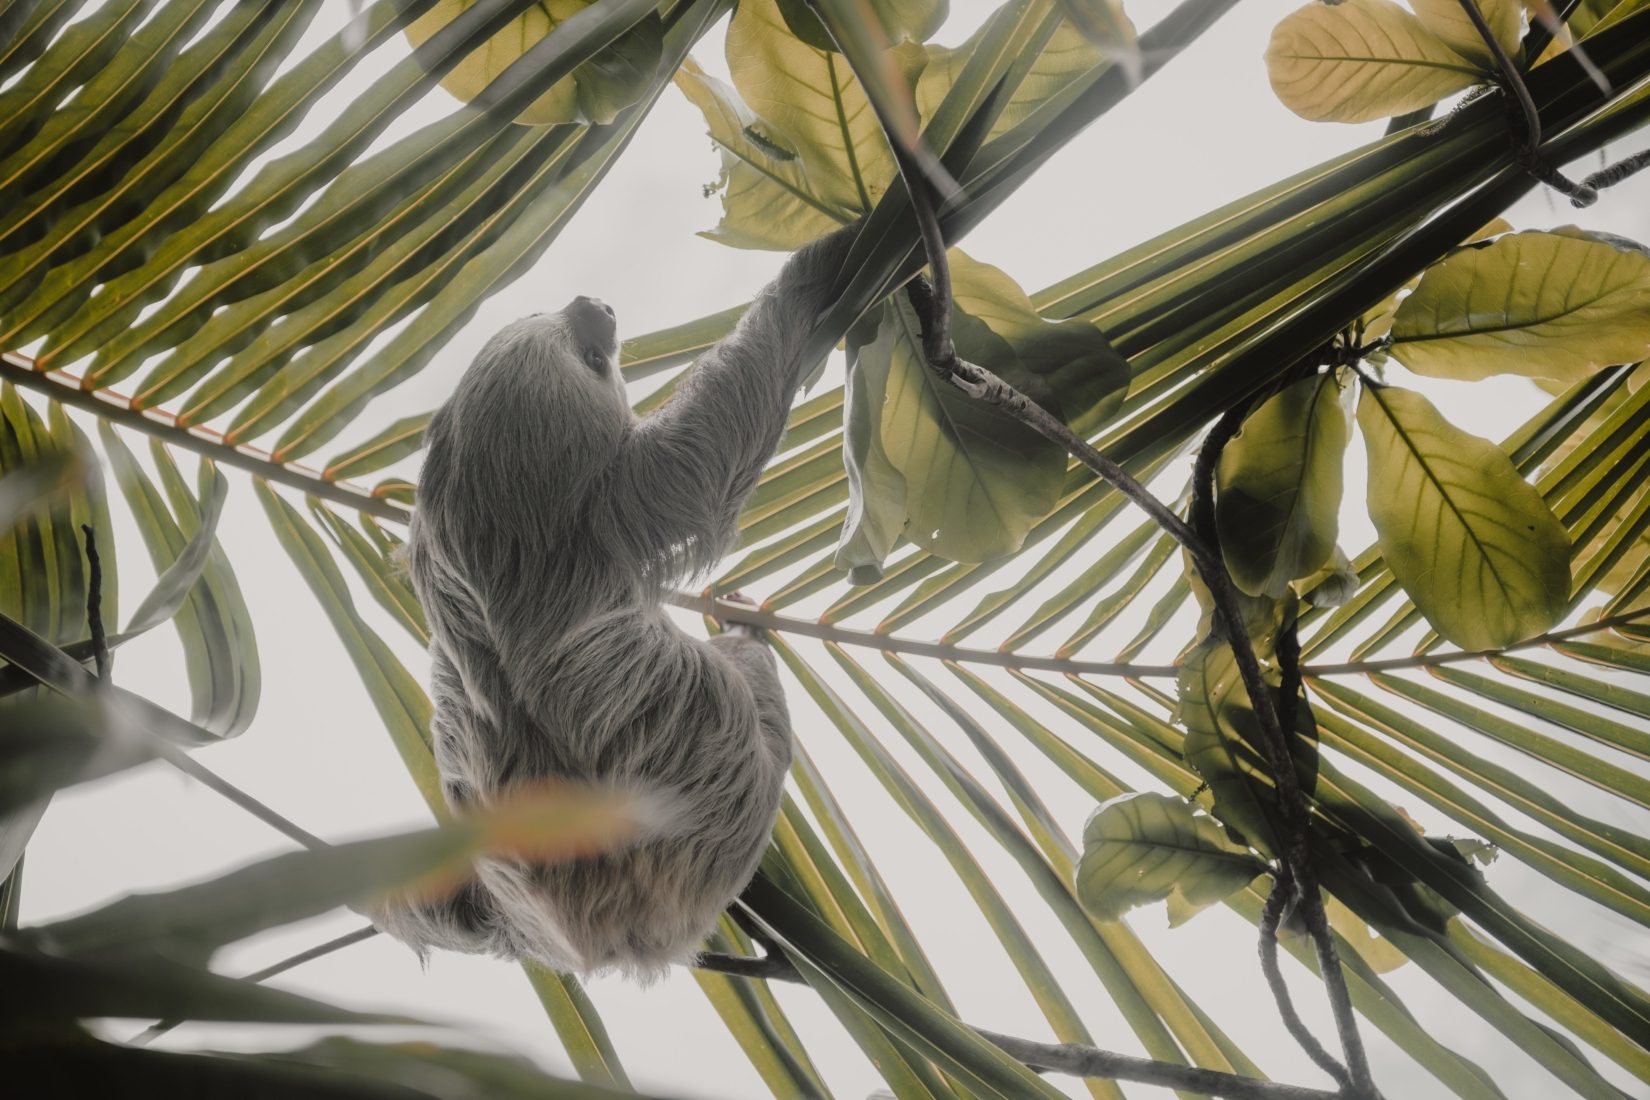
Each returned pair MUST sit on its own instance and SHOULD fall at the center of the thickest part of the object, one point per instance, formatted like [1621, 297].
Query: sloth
[551, 522]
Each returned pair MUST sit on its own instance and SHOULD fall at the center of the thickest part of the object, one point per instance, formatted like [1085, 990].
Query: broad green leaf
[1142, 848]
[1556, 305]
[876, 488]
[768, 199]
[595, 91]
[1280, 485]
[1362, 60]
[1470, 540]
[815, 105]
[1223, 743]
[1067, 366]
[975, 479]
[1447, 20]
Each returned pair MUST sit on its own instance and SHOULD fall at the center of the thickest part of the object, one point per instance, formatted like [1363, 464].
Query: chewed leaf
[1557, 305]
[1141, 848]
[1280, 486]
[1362, 60]
[1471, 541]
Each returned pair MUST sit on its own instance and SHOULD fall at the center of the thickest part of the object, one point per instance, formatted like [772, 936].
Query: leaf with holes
[1363, 60]
[1143, 848]
[1557, 305]
[1280, 486]
[1470, 540]
[768, 199]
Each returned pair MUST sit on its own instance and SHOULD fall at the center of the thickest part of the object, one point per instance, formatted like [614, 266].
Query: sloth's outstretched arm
[686, 470]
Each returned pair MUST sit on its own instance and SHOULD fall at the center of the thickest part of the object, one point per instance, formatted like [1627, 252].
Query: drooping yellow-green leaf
[957, 477]
[1470, 540]
[1362, 60]
[1450, 22]
[1142, 848]
[1280, 486]
[768, 199]
[595, 92]
[1556, 305]
[810, 98]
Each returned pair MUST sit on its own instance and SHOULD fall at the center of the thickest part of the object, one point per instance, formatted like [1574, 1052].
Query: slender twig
[1276, 902]
[1529, 149]
[933, 309]
[94, 604]
[161, 1027]
[191, 767]
[1297, 857]
[1620, 170]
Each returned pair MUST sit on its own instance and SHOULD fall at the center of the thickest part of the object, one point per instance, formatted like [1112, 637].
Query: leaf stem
[66, 389]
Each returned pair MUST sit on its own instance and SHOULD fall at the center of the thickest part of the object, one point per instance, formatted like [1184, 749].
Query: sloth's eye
[596, 360]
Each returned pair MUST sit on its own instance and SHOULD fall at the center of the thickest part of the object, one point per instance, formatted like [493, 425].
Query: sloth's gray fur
[550, 523]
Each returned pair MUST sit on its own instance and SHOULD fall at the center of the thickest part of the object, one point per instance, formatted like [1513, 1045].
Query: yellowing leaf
[1362, 60]
[1280, 486]
[816, 107]
[1141, 848]
[1447, 20]
[1470, 540]
[768, 201]
[1555, 305]
[596, 91]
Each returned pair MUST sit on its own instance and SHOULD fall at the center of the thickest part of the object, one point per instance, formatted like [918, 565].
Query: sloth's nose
[597, 302]
[592, 321]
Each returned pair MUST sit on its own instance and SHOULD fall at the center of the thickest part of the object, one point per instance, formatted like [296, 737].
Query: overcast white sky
[1203, 132]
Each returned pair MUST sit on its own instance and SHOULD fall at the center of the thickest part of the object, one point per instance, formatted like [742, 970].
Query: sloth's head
[571, 357]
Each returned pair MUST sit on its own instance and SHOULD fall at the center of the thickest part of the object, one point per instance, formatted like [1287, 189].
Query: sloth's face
[591, 325]
[582, 342]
